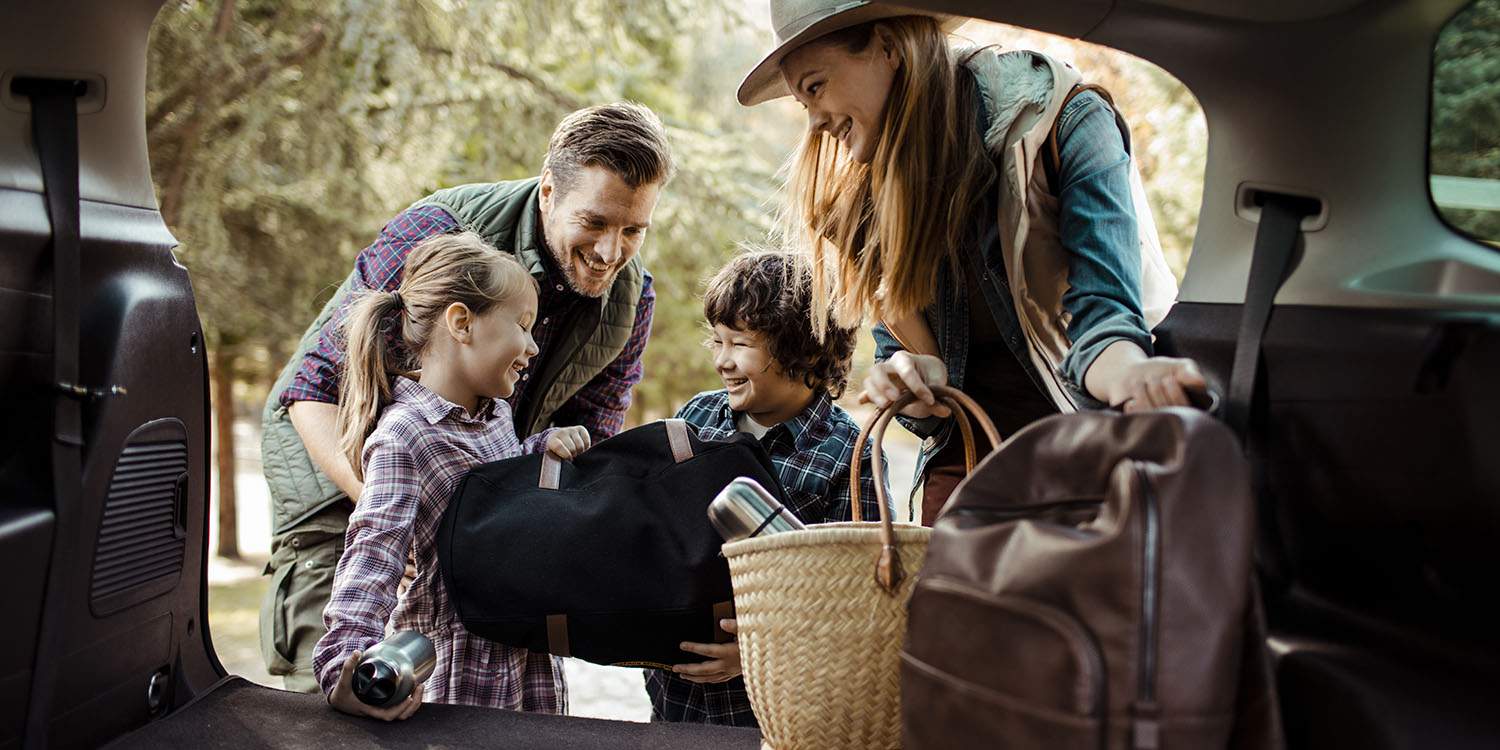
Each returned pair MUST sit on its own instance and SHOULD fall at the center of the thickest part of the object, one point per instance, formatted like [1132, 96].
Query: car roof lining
[114, 167]
[1261, 11]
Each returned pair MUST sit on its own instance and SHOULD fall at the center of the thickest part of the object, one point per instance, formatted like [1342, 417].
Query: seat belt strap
[1271, 263]
[54, 124]
[1247, 407]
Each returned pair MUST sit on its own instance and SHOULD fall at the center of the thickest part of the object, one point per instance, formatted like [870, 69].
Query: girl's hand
[343, 698]
[904, 372]
[567, 442]
[725, 664]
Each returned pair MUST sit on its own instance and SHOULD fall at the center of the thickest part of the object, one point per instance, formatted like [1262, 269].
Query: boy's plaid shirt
[811, 453]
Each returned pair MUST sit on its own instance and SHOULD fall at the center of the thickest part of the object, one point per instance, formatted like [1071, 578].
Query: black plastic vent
[139, 554]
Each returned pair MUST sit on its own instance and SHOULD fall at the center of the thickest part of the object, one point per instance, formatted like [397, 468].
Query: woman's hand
[1158, 381]
[903, 372]
[724, 661]
[1125, 377]
[343, 698]
[568, 442]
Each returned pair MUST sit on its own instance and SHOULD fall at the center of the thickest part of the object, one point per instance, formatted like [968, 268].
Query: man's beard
[578, 285]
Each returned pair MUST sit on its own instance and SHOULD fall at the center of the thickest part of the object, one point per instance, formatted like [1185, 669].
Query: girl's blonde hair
[879, 232]
[441, 271]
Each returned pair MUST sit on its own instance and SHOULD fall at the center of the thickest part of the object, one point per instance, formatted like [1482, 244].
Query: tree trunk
[223, 385]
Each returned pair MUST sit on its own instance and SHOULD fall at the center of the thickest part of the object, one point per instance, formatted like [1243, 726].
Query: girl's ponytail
[366, 386]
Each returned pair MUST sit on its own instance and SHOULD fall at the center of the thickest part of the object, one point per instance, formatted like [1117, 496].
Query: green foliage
[1466, 108]
[284, 134]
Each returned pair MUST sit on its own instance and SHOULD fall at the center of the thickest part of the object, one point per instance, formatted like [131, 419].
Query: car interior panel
[1377, 366]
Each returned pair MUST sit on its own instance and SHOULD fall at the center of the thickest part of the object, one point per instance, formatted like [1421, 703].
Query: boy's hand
[725, 664]
[343, 698]
[567, 442]
[903, 372]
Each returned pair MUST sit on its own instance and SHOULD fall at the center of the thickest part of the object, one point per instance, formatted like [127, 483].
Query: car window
[1465, 141]
[1168, 132]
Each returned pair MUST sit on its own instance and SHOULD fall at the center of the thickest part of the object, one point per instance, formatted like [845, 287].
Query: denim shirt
[1097, 224]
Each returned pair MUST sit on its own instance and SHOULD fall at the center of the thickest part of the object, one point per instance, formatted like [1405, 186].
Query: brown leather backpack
[1090, 584]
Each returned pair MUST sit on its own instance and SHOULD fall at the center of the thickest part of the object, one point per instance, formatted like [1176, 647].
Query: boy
[779, 385]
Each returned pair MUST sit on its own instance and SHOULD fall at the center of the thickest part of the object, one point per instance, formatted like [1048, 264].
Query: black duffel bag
[610, 557]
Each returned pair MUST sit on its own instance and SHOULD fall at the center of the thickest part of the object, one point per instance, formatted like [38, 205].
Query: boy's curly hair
[770, 292]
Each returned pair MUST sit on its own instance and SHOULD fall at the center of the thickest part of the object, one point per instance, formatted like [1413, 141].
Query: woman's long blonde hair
[879, 232]
[440, 271]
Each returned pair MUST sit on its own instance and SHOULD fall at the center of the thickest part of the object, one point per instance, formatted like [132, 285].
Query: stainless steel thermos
[391, 669]
[744, 509]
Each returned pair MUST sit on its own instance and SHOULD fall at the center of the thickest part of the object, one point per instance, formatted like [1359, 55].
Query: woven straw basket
[822, 615]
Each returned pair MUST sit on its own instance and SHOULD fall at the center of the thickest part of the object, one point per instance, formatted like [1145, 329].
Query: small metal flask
[745, 509]
[390, 670]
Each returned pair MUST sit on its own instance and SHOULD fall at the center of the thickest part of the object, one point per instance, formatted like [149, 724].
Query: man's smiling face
[595, 226]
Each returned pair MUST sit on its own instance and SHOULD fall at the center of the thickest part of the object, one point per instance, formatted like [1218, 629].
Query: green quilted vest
[505, 215]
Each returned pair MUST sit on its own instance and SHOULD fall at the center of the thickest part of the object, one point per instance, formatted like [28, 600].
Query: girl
[922, 189]
[465, 310]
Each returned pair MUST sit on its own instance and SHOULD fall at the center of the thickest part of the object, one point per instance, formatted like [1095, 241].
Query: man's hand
[724, 661]
[568, 442]
[343, 699]
[904, 372]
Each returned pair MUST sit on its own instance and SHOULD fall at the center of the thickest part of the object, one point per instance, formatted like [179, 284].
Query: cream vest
[1022, 108]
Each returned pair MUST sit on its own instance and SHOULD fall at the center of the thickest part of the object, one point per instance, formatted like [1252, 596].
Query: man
[578, 229]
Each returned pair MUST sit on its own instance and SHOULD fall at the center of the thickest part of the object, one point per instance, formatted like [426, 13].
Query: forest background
[284, 133]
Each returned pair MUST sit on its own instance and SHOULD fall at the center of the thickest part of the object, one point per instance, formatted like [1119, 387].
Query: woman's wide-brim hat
[797, 22]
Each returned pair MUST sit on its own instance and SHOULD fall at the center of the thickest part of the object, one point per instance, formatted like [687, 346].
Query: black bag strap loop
[54, 125]
[677, 439]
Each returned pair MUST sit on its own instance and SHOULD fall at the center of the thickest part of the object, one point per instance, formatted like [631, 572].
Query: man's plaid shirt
[599, 406]
[811, 453]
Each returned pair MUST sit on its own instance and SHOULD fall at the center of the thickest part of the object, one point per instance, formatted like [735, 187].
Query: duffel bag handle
[888, 572]
[677, 438]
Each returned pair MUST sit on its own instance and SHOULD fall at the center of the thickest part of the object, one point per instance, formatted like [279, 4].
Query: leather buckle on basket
[888, 571]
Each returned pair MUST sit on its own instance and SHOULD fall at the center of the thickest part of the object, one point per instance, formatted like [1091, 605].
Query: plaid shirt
[599, 406]
[812, 453]
[413, 460]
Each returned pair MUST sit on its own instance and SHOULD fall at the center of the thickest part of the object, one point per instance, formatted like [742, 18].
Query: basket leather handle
[888, 571]
[677, 438]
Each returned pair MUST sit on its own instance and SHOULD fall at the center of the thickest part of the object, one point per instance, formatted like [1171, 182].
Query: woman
[922, 190]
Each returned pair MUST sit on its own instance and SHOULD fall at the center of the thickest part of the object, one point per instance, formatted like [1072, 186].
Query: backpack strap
[1051, 159]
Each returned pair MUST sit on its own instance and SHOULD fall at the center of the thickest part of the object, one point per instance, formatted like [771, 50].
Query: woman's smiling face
[844, 92]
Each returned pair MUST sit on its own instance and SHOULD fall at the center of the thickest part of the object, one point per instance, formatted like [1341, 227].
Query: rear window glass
[1168, 132]
[1465, 148]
